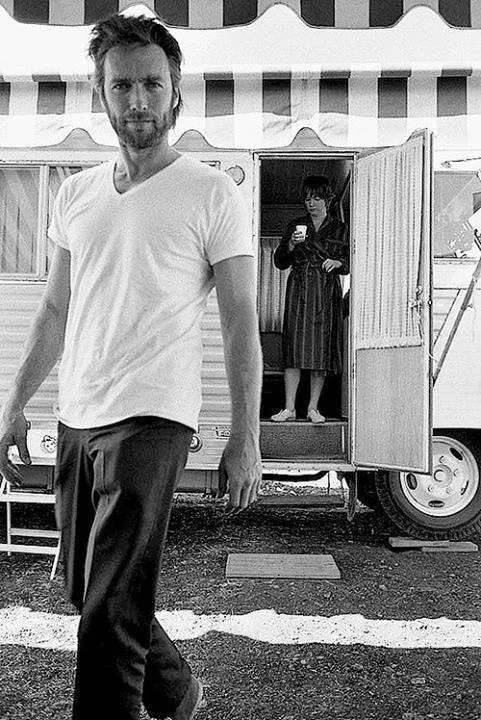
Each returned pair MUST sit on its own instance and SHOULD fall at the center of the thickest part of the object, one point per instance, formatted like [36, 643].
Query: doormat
[432, 546]
[273, 565]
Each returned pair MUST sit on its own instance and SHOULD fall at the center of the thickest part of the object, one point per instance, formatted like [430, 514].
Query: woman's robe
[312, 328]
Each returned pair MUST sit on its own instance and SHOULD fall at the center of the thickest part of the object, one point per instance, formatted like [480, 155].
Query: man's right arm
[42, 350]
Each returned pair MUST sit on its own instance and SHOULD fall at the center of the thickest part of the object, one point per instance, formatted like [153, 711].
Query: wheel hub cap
[452, 485]
[442, 476]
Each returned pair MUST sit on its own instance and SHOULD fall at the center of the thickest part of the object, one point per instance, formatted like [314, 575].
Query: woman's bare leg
[292, 377]
[317, 383]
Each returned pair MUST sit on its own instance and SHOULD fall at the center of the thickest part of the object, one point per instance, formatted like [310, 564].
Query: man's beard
[151, 135]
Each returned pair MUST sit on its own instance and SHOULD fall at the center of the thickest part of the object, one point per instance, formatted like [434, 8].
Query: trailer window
[27, 195]
[56, 176]
[19, 204]
[457, 195]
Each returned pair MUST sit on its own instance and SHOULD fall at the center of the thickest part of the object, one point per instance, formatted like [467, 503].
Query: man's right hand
[13, 431]
[240, 474]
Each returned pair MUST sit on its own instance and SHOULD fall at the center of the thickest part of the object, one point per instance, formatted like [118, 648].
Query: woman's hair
[125, 31]
[317, 185]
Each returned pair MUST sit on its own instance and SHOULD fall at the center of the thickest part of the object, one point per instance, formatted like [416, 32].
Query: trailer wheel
[444, 505]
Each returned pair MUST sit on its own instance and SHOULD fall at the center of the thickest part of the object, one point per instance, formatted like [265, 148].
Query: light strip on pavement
[28, 628]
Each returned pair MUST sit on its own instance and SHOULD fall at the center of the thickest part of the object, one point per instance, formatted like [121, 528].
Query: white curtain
[388, 226]
[18, 220]
[272, 287]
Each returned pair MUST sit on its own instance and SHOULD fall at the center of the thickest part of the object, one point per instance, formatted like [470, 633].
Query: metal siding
[18, 303]
[208, 457]
[443, 299]
[457, 393]
[215, 409]
[215, 415]
[215, 390]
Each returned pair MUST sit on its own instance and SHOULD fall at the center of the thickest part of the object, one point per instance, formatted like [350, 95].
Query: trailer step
[302, 440]
[301, 501]
[273, 565]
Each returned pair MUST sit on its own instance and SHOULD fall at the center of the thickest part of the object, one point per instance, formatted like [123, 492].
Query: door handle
[416, 303]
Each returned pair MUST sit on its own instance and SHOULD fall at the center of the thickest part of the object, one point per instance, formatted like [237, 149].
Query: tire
[367, 491]
[445, 505]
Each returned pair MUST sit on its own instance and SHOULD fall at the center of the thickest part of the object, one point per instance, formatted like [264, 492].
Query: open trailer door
[391, 392]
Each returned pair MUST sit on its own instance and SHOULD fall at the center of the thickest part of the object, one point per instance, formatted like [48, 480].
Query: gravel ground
[248, 679]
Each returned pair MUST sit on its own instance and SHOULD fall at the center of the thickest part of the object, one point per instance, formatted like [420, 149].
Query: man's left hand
[240, 473]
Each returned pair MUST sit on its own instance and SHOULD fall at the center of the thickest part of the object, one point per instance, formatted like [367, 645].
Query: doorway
[281, 180]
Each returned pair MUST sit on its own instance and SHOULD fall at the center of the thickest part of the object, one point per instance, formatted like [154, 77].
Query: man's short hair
[125, 31]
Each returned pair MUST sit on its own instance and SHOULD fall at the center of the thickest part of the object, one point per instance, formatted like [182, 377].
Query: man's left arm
[235, 283]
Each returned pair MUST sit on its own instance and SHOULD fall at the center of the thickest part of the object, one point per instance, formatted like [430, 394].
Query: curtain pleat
[18, 221]
[272, 290]
[388, 227]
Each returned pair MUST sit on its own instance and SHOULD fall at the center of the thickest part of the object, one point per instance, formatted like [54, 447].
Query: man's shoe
[284, 416]
[191, 702]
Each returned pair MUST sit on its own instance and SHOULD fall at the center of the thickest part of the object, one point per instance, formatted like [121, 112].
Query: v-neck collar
[141, 184]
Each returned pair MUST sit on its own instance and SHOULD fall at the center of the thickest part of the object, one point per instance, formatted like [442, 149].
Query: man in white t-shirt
[140, 243]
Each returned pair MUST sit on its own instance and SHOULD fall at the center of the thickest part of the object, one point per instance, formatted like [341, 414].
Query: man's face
[138, 95]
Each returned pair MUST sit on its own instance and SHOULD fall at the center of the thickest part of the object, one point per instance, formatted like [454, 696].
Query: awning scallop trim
[213, 14]
[260, 110]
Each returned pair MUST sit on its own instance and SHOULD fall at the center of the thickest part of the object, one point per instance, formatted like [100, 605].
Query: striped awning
[228, 13]
[262, 109]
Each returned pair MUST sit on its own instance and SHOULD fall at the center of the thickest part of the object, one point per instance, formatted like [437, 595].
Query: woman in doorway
[316, 249]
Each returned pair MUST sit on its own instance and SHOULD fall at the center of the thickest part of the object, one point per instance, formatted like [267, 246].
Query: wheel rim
[451, 487]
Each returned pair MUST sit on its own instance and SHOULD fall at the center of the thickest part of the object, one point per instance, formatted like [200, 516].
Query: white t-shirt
[141, 271]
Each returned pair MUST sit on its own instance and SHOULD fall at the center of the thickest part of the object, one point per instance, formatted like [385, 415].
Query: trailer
[400, 140]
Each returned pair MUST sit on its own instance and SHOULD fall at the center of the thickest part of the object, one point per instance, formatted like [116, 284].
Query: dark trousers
[115, 486]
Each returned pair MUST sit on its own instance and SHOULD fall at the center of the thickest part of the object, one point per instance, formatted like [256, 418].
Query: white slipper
[284, 416]
[315, 417]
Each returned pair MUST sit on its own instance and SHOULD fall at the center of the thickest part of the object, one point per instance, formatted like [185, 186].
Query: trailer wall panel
[18, 304]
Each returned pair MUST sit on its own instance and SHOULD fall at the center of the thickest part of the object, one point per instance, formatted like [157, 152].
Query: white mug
[302, 229]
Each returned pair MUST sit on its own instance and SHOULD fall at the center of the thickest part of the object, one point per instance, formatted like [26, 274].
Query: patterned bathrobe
[312, 329]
